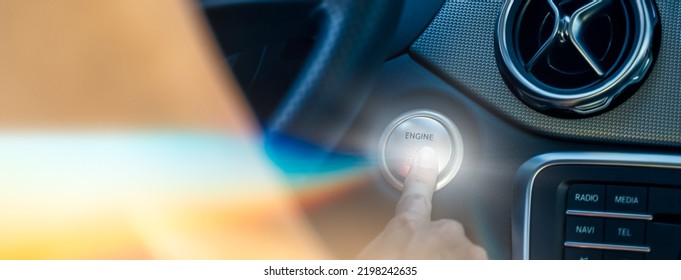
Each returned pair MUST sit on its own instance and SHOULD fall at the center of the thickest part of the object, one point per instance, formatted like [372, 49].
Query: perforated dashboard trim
[459, 45]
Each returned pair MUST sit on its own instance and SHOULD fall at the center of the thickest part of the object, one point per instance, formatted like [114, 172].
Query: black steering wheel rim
[352, 39]
[330, 89]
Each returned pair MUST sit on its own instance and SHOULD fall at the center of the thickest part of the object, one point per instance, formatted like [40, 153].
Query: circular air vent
[574, 57]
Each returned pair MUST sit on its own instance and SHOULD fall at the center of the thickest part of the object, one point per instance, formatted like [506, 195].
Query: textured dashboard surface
[459, 44]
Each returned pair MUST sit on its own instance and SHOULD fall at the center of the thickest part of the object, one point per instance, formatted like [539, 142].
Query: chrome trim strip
[645, 217]
[523, 184]
[628, 248]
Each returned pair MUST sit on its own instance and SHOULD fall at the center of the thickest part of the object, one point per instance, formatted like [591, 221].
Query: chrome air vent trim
[575, 57]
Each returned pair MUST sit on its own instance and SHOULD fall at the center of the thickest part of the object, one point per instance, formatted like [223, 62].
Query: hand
[411, 234]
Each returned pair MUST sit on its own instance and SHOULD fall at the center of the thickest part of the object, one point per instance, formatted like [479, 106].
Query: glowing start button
[409, 137]
[407, 134]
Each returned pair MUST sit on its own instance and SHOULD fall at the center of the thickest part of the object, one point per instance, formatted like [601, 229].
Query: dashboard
[567, 128]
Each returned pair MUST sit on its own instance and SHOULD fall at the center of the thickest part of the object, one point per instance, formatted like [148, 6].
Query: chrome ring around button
[411, 131]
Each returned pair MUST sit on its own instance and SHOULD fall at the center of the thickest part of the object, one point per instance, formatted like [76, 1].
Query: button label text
[624, 199]
[585, 229]
[586, 197]
[419, 136]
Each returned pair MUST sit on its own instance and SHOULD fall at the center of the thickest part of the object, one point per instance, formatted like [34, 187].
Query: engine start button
[410, 132]
[409, 137]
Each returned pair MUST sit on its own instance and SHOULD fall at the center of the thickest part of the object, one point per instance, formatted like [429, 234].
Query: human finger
[419, 185]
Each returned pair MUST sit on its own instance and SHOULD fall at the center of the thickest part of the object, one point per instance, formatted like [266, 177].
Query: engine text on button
[419, 136]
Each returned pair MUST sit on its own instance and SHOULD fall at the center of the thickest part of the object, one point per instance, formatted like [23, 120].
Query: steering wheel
[351, 39]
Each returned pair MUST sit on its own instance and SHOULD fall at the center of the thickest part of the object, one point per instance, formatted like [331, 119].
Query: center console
[598, 206]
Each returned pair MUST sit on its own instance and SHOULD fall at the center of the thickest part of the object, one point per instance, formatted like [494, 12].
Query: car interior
[555, 122]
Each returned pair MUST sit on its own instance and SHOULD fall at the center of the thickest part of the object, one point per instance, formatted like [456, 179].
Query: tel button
[586, 197]
[627, 199]
[625, 232]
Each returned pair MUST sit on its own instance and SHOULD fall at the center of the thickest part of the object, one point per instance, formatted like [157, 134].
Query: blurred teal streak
[297, 157]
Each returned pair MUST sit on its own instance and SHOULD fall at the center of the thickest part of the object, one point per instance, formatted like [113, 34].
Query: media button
[626, 199]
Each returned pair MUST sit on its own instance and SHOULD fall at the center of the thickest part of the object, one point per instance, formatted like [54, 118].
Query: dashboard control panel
[599, 206]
